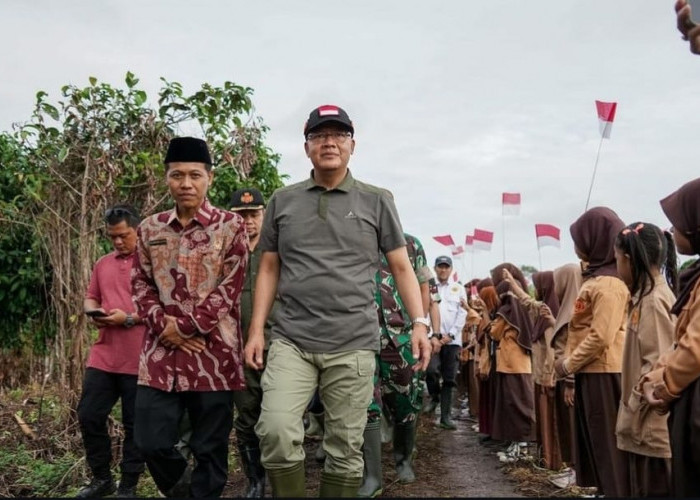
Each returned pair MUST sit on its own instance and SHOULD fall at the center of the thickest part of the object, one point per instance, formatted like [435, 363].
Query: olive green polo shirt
[329, 242]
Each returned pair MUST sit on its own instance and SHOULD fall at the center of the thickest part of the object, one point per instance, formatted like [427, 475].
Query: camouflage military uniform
[397, 386]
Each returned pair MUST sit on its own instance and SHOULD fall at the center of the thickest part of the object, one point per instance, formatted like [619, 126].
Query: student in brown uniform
[486, 304]
[512, 330]
[642, 251]
[543, 310]
[674, 383]
[567, 282]
[594, 353]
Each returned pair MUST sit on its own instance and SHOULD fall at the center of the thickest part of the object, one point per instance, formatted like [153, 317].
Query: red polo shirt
[118, 348]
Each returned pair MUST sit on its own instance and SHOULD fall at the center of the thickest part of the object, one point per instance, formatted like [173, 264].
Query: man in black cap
[250, 204]
[187, 284]
[320, 244]
[448, 342]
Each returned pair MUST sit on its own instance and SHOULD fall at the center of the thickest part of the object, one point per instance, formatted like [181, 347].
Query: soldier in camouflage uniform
[397, 388]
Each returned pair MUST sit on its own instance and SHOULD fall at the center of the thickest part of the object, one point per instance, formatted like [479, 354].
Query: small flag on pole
[483, 239]
[457, 251]
[606, 115]
[469, 244]
[511, 203]
[547, 235]
[445, 240]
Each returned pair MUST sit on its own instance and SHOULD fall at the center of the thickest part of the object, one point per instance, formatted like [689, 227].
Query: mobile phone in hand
[96, 313]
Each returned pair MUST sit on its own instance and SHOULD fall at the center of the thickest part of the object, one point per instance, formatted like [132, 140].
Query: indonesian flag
[445, 240]
[606, 115]
[483, 239]
[511, 203]
[469, 244]
[457, 251]
[547, 235]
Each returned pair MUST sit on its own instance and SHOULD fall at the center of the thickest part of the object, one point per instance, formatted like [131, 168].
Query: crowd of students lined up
[601, 368]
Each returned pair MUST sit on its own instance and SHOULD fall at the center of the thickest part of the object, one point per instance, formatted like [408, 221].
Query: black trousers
[446, 364]
[248, 403]
[101, 391]
[158, 415]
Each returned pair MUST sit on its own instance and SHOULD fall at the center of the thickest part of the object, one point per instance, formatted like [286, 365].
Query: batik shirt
[393, 316]
[195, 274]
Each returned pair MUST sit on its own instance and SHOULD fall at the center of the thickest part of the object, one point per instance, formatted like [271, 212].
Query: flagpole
[539, 253]
[473, 252]
[595, 168]
[503, 218]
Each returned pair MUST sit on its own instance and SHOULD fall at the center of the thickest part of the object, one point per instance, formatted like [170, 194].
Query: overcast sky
[454, 102]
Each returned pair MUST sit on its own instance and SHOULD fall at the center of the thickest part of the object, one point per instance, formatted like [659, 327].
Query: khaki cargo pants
[345, 384]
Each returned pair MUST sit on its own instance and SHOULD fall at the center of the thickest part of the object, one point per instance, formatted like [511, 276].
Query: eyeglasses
[336, 136]
[117, 212]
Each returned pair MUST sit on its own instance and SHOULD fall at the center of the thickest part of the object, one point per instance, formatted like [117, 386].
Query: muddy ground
[449, 464]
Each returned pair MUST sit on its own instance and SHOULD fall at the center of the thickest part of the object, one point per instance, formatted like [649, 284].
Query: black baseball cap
[328, 113]
[443, 259]
[247, 199]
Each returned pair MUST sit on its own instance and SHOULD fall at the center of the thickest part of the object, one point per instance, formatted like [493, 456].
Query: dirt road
[449, 464]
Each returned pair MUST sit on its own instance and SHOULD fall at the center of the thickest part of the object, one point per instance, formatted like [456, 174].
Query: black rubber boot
[372, 455]
[446, 408]
[404, 444]
[127, 485]
[254, 471]
[98, 487]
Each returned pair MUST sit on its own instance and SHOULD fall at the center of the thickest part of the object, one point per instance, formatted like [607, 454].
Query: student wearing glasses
[320, 242]
[113, 361]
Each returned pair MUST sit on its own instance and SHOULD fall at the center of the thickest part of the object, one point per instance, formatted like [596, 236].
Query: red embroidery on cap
[328, 110]
[246, 197]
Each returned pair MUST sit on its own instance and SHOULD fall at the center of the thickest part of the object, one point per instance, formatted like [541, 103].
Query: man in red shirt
[187, 284]
[113, 362]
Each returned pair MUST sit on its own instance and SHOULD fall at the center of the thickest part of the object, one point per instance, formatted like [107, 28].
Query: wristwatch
[421, 321]
[129, 321]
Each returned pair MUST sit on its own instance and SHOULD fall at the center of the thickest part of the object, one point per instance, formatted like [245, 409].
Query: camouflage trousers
[397, 388]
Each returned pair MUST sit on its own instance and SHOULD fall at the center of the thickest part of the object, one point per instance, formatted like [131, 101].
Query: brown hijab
[567, 281]
[544, 285]
[682, 208]
[515, 314]
[497, 274]
[594, 235]
[490, 297]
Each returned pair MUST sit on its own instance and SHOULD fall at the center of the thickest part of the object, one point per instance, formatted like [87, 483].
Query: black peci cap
[188, 149]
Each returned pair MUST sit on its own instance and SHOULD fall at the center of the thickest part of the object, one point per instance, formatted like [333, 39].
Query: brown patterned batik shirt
[194, 273]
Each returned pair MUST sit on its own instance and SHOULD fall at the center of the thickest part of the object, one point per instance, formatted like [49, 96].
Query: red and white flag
[445, 240]
[469, 244]
[511, 203]
[455, 277]
[547, 235]
[457, 251]
[483, 239]
[606, 115]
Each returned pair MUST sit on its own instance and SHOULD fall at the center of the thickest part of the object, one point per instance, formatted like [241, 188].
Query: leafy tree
[98, 145]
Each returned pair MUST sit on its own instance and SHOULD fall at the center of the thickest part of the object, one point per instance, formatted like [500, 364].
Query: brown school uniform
[545, 391]
[514, 412]
[594, 354]
[641, 431]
